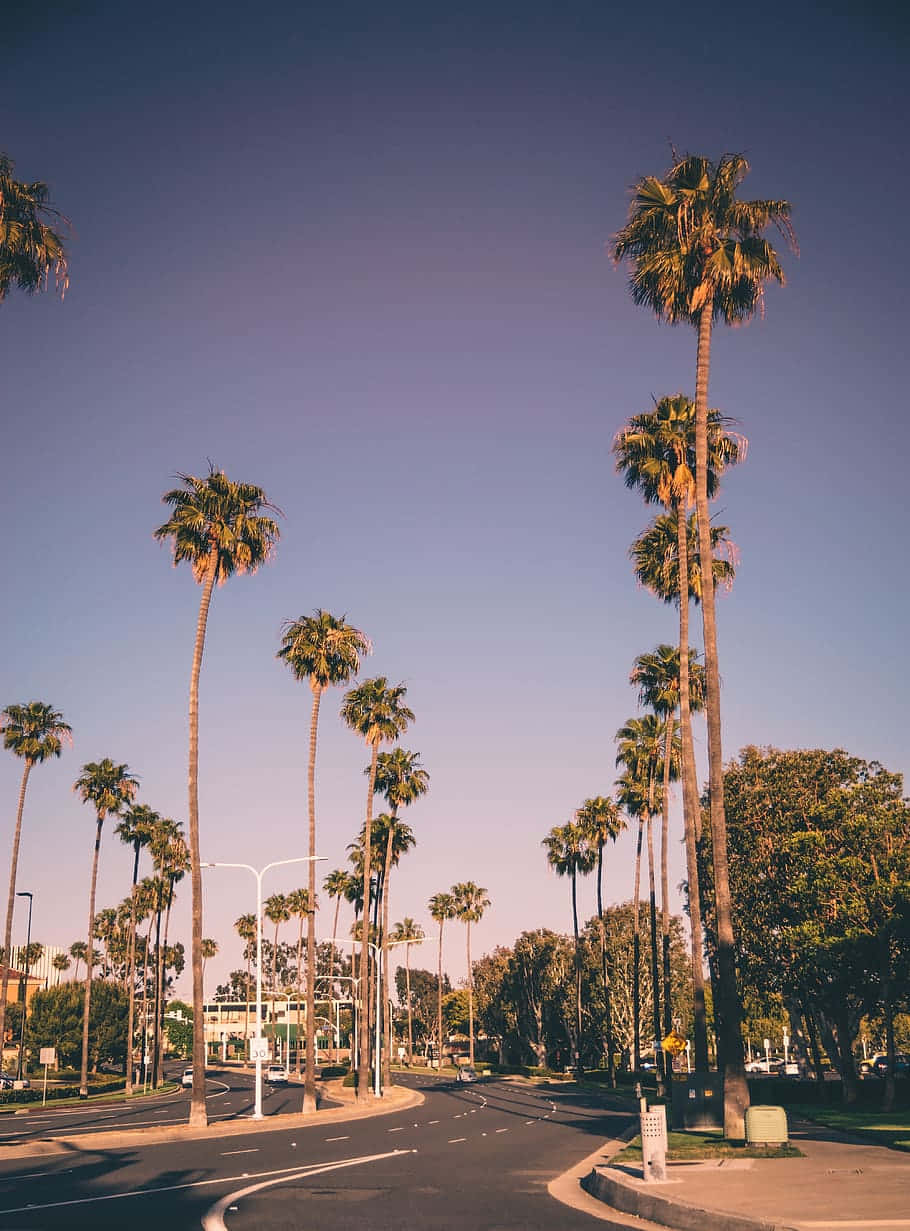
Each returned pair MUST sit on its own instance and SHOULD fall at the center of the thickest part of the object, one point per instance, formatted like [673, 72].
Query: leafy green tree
[425, 987]
[55, 1020]
[178, 1028]
[324, 650]
[570, 852]
[30, 249]
[219, 528]
[376, 711]
[442, 907]
[109, 788]
[456, 1012]
[470, 903]
[698, 253]
[33, 731]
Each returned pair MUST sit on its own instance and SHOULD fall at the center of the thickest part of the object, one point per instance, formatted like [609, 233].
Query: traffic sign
[48, 1055]
[259, 1049]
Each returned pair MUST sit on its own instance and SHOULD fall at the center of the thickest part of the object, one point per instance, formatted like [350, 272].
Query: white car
[275, 1075]
[187, 1078]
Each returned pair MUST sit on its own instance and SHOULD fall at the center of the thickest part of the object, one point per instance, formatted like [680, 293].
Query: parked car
[757, 1066]
[8, 1082]
[275, 1075]
[466, 1074]
[901, 1065]
[187, 1078]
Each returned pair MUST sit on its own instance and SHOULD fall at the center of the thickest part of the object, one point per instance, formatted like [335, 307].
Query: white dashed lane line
[396, 1130]
[455, 1140]
[227, 1153]
[338, 1139]
[502, 1130]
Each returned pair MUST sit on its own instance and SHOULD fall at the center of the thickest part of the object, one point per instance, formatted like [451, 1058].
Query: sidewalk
[840, 1185]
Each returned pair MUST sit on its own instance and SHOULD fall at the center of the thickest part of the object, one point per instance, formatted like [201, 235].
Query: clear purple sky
[356, 254]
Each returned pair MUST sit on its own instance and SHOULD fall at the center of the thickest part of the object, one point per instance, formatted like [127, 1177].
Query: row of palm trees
[698, 254]
[466, 902]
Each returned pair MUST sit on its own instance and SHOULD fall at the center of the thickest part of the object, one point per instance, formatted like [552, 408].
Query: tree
[33, 731]
[245, 928]
[698, 254]
[78, 950]
[109, 788]
[171, 861]
[29, 247]
[178, 1026]
[61, 964]
[135, 829]
[375, 710]
[324, 650]
[277, 912]
[55, 1020]
[442, 906]
[219, 528]
[602, 822]
[209, 950]
[407, 932]
[336, 885]
[470, 903]
[570, 852]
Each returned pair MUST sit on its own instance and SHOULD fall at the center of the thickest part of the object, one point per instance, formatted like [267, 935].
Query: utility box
[653, 1143]
[698, 1101]
[766, 1126]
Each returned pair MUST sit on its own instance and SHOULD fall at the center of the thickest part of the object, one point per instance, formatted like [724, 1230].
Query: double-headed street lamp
[28, 953]
[259, 873]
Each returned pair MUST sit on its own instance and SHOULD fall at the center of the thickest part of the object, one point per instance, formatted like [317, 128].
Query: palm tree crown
[657, 677]
[29, 248]
[655, 558]
[376, 710]
[34, 731]
[108, 787]
[323, 649]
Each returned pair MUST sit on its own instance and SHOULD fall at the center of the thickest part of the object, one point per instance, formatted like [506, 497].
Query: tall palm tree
[657, 676]
[35, 732]
[29, 247]
[105, 928]
[324, 650]
[570, 852]
[78, 952]
[109, 788]
[277, 912]
[639, 750]
[298, 904]
[135, 829]
[442, 907]
[245, 928]
[406, 933]
[376, 710]
[170, 855]
[61, 964]
[602, 822]
[402, 780]
[699, 254]
[395, 838]
[470, 903]
[209, 950]
[219, 528]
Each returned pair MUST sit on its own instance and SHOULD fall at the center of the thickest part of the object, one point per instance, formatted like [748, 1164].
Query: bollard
[654, 1143]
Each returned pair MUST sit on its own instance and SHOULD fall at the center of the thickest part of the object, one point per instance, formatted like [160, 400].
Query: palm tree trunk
[439, 998]
[470, 1001]
[604, 973]
[87, 1000]
[655, 967]
[309, 1082]
[736, 1089]
[162, 1003]
[691, 809]
[198, 1115]
[386, 1015]
[363, 1071]
[636, 953]
[157, 1008]
[131, 975]
[11, 903]
[665, 877]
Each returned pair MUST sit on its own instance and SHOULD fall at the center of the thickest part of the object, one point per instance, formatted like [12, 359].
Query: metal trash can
[766, 1126]
[654, 1143]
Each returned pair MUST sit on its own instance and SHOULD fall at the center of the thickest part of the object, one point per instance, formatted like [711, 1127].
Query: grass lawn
[885, 1128]
[117, 1096]
[694, 1146]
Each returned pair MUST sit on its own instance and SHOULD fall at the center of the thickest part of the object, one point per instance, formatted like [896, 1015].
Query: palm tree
[324, 650]
[336, 886]
[209, 949]
[407, 933]
[470, 903]
[376, 710]
[109, 788]
[170, 856]
[639, 750]
[105, 928]
[29, 248]
[219, 528]
[35, 732]
[245, 928]
[570, 852]
[78, 950]
[298, 904]
[442, 907]
[402, 780]
[602, 822]
[277, 912]
[61, 964]
[135, 829]
[698, 254]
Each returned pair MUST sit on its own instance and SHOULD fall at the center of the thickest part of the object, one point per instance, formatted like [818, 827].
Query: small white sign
[259, 1049]
[48, 1055]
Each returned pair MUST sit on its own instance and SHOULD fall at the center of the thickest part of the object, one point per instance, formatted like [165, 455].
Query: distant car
[187, 1078]
[275, 1075]
[6, 1083]
[466, 1074]
[901, 1065]
[757, 1066]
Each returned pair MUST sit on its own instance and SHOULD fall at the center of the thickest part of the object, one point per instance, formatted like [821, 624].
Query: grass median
[884, 1128]
[114, 1096]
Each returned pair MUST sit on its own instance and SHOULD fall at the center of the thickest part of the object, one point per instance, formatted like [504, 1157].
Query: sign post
[47, 1056]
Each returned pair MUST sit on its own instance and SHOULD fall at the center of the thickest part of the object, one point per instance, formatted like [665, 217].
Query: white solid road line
[338, 1139]
[213, 1219]
[455, 1140]
[252, 1150]
[502, 1130]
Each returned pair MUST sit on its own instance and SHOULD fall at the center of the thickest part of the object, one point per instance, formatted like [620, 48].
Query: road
[229, 1094]
[472, 1158]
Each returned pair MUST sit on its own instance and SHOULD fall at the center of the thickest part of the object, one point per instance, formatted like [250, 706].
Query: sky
[358, 255]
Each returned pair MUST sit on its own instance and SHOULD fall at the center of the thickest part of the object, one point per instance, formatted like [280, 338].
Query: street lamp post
[259, 873]
[28, 945]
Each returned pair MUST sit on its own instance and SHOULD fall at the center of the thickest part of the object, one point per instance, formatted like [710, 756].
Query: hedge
[100, 1085]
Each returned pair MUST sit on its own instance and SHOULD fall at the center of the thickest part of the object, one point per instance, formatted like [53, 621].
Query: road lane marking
[455, 1140]
[432, 1121]
[213, 1219]
[252, 1150]
[397, 1130]
[338, 1139]
[530, 1121]
[502, 1130]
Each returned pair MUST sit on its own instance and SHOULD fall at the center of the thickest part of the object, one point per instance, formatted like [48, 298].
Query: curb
[397, 1099]
[619, 1194]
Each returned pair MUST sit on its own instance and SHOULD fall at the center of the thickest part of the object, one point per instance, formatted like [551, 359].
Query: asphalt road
[229, 1094]
[475, 1158]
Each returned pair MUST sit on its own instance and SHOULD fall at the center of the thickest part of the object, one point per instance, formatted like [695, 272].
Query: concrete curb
[398, 1098]
[569, 1188]
[620, 1193]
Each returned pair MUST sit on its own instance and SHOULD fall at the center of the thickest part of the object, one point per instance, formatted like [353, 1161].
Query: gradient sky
[356, 254]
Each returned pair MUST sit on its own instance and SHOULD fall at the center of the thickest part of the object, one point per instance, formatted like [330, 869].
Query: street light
[259, 873]
[28, 945]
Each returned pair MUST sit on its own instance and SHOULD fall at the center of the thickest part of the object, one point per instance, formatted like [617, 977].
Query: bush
[334, 1070]
[98, 1085]
[350, 1080]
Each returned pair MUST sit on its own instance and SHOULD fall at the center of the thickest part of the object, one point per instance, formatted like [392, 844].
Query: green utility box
[766, 1126]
